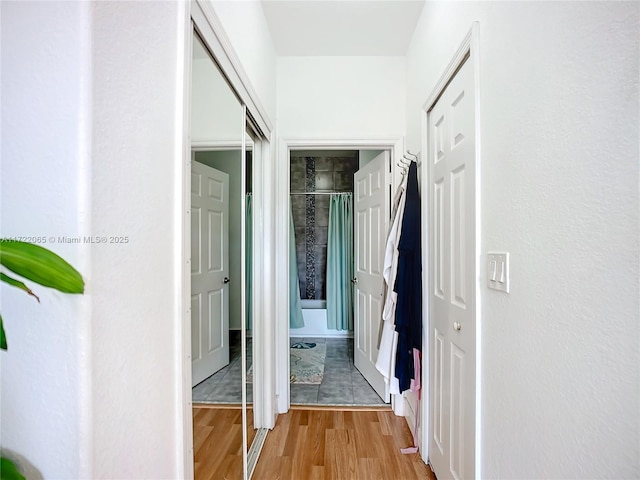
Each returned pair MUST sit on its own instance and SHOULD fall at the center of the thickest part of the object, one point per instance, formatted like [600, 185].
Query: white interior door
[372, 188]
[452, 279]
[209, 271]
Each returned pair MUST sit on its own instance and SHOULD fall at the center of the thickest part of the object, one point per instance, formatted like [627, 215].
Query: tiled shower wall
[316, 173]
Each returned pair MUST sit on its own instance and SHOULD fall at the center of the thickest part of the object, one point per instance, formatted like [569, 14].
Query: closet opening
[323, 330]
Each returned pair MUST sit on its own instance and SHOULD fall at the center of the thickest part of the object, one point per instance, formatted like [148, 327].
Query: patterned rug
[306, 361]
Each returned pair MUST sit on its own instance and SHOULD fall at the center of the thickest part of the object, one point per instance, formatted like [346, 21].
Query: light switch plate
[498, 271]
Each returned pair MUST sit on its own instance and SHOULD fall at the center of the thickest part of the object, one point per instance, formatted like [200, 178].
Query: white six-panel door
[371, 206]
[209, 271]
[452, 254]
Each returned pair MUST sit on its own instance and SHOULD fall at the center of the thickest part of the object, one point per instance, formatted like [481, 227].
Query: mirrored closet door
[218, 271]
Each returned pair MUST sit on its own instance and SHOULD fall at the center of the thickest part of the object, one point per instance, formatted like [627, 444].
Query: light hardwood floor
[318, 444]
[217, 441]
[329, 444]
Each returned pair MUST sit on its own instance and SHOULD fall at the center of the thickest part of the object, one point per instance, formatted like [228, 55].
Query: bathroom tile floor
[225, 386]
[342, 384]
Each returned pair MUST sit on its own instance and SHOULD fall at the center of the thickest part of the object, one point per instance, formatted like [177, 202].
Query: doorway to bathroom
[339, 209]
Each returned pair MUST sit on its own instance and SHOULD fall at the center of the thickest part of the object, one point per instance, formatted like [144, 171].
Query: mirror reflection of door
[209, 270]
[217, 213]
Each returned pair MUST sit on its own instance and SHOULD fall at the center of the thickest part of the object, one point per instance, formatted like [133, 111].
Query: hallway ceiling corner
[342, 27]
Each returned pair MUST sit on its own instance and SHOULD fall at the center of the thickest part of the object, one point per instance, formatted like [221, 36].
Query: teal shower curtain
[340, 263]
[248, 235]
[295, 306]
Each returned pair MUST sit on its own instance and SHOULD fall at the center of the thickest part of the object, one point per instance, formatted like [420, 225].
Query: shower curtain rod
[318, 193]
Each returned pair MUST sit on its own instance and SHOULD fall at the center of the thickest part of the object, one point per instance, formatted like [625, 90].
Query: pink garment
[415, 381]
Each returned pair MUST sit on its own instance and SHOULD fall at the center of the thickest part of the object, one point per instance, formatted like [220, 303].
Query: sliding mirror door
[217, 270]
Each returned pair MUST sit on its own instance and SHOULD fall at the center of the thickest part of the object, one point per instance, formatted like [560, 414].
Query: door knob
[354, 280]
[226, 280]
[457, 326]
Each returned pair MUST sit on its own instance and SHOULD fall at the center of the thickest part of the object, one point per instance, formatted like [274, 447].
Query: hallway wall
[136, 184]
[559, 128]
[246, 27]
[341, 97]
[46, 163]
[86, 119]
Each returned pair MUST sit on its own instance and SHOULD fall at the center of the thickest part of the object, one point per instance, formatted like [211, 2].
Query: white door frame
[468, 48]
[202, 14]
[282, 186]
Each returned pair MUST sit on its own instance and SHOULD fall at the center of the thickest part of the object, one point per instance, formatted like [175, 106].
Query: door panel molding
[372, 207]
[210, 247]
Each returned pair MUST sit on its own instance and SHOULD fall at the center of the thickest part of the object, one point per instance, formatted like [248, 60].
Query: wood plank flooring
[341, 445]
[318, 444]
[217, 441]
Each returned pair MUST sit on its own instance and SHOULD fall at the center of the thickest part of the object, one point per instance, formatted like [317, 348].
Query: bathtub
[314, 313]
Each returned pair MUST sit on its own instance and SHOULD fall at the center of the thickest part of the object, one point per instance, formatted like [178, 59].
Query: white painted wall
[559, 128]
[91, 145]
[341, 97]
[246, 27]
[138, 74]
[46, 135]
[230, 162]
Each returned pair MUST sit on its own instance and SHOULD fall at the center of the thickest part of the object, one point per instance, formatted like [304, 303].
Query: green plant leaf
[3, 339]
[17, 283]
[40, 265]
[8, 470]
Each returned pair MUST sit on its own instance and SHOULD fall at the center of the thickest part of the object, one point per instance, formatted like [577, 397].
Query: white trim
[182, 255]
[475, 58]
[398, 405]
[281, 344]
[209, 146]
[425, 426]
[243, 293]
[270, 276]
[469, 47]
[454, 64]
[263, 406]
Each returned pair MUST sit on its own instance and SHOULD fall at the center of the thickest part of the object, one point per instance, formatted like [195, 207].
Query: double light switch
[498, 271]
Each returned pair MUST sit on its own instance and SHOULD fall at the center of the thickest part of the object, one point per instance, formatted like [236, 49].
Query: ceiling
[342, 27]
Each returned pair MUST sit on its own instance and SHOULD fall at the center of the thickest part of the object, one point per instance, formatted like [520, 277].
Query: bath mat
[307, 363]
